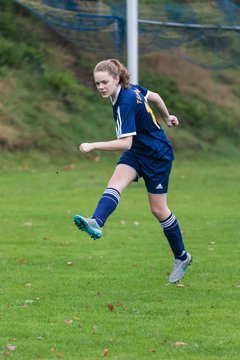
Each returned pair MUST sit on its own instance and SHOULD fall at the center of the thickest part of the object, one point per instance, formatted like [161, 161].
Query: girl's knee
[161, 213]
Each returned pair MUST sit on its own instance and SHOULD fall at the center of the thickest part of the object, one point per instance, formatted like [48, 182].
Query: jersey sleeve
[125, 122]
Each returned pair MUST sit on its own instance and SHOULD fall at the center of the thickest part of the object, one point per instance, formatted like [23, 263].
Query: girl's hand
[172, 120]
[86, 147]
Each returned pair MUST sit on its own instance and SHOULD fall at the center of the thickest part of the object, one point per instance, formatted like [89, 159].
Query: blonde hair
[114, 68]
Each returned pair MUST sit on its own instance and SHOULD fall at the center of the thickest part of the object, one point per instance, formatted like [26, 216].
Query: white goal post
[132, 39]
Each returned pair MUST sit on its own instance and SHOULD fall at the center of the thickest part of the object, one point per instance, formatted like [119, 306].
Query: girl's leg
[121, 178]
[169, 223]
[172, 232]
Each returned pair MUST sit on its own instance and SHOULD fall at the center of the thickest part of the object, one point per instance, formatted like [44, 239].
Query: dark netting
[85, 23]
[206, 33]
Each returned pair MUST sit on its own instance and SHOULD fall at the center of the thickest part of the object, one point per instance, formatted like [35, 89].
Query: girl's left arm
[170, 120]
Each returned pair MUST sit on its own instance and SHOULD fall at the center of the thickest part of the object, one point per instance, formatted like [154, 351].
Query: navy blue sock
[172, 232]
[106, 205]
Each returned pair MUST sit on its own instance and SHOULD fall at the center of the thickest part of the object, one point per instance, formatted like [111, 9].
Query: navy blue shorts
[155, 172]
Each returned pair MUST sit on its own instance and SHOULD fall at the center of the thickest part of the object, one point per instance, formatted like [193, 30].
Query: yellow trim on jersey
[149, 110]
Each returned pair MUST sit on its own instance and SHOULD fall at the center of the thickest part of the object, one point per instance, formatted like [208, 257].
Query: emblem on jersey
[139, 100]
[159, 187]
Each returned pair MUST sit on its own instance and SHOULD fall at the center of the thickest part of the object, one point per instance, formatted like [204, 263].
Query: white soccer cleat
[179, 269]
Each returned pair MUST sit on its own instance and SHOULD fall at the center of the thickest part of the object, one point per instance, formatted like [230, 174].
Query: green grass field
[64, 295]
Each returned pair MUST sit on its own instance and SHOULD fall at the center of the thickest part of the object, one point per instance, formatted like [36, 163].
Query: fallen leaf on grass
[39, 337]
[135, 265]
[22, 262]
[65, 243]
[110, 307]
[179, 343]
[152, 350]
[9, 306]
[105, 352]
[29, 301]
[94, 327]
[211, 249]
[27, 224]
[180, 285]
[163, 341]
[11, 347]
[56, 353]
[69, 167]
[59, 355]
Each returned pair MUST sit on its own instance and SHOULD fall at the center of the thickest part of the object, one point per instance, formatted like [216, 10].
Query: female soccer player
[147, 153]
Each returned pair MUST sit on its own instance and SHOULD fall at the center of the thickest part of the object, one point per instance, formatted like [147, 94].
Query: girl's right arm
[123, 143]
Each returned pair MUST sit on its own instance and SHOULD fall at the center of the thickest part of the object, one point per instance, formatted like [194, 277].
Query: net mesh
[206, 33]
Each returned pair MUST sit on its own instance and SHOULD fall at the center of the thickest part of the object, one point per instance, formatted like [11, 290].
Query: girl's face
[106, 84]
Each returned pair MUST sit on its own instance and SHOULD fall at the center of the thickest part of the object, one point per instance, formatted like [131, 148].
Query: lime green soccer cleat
[88, 225]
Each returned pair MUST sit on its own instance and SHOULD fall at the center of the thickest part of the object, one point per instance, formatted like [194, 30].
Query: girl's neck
[114, 96]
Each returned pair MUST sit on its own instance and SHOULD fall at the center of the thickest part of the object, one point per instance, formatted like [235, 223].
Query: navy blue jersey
[133, 116]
